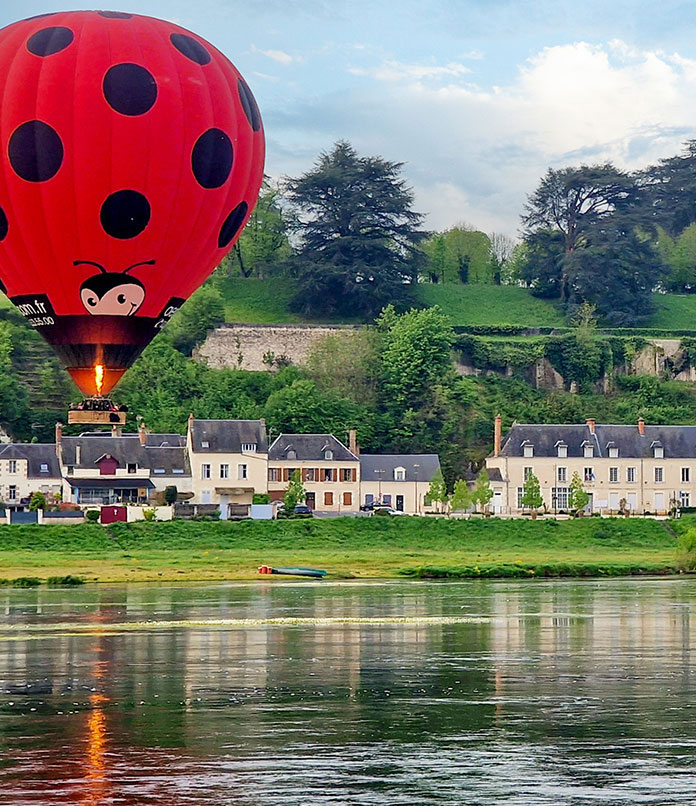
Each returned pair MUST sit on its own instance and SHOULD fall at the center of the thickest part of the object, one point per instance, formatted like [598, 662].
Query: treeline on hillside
[346, 231]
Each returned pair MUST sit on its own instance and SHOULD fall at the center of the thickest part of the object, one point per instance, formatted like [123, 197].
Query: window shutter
[286, 474]
[354, 474]
[317, 477]
[334, 474]
[303, 473]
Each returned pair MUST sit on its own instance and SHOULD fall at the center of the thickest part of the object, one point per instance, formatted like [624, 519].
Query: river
[559, 692]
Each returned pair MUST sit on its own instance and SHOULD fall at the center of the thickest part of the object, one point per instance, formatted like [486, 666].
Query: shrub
[26, 582]
[262, 498]
[170, 495]
[686, 551]
[150, 514]
[92, 515]
[68, 579]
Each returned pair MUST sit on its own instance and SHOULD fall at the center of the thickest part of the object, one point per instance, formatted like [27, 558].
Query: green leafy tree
[540, 263]
[578, 497]
[437, 491]
[460, 255]
[347, 365]
[670, 190]
[189, 326]
[170, 494]
[37, 501]
[295, 494]
[679, 256]
[531, 497]
[358, 235]
[483, 492]
[461, 499]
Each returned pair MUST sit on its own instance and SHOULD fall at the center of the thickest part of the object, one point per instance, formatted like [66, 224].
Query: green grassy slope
[674, 312]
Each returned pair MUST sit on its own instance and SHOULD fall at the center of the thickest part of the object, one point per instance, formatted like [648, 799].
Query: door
[311, 500]
[659, 502]
[613, 502]
[497, 502]
[400, 503]
[205, 496]
[632, 502]
[590, 503]
[224, 507]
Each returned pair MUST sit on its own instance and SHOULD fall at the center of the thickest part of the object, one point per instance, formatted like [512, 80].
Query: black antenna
[144, 263]
[89, 263]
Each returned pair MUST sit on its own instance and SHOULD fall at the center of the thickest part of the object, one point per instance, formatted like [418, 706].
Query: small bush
[68, 579]
[26, 582]
[686, 551]
[92, 515]
[150, 514]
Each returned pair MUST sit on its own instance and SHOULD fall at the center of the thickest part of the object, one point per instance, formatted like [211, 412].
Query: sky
[478, 98]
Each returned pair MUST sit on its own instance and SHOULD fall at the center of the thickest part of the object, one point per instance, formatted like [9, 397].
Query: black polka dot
[191, 48]
[50, 41]
[3, 225]
[35, 151]
[212, 158]
[251, 110]
[125, 214]
[232, 224]
[115, 15]
[130, 89]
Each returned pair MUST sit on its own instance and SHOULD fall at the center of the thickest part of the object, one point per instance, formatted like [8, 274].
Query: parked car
[302, 509]
[383, 511]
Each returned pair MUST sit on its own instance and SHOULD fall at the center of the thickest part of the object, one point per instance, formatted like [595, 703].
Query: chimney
[190, 422]
[353, 442]
[641, 426]
[78, 454]
[142, 433]
[497, 435]
[590, 423]
[59, 437]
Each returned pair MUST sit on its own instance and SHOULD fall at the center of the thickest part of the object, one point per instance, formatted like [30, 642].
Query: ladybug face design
[112, 293]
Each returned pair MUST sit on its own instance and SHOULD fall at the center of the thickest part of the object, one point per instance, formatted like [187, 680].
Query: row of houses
[624, 468]
[223, 463]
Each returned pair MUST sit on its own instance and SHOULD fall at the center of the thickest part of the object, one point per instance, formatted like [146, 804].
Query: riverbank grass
[345, 547]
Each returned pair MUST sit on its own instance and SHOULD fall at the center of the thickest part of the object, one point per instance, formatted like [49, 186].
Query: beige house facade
[25, 469]
[330, 472]
[638, 468]
[400, 481]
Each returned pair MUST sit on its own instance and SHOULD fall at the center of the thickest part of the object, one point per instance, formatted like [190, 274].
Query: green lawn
[346, 547]
[674, 312]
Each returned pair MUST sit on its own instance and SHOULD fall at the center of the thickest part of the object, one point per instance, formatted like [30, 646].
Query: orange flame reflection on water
[96, 752]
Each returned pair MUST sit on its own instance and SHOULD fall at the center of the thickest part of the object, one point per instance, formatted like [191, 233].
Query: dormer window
[328, 455]
[527, 449]
[205, 444]
[658, 450]
[613, 450]
[562, 450]
[399, 474]
[248, 447]
[291, 454]
[44, 468]
[587, 450]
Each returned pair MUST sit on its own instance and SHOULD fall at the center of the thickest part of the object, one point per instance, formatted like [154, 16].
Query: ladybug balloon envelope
[131, 156]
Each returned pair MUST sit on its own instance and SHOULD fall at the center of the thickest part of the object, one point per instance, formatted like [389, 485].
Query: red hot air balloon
[131, 155]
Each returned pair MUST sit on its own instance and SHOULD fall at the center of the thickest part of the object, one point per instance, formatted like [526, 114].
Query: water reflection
[557, 692]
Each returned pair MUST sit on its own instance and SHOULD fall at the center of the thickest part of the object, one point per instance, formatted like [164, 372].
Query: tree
[482, 491]
[170, 494]
[578, 497]
[670, 190]
[37, 501]
[502, 252]
[571, 200]
[204, 311]
[462, 255]
[531, 497]
[358, 234]
[679, 256]
[347, 365]
[437, 491]
[295, 494]
[541, 264]
[461, 499]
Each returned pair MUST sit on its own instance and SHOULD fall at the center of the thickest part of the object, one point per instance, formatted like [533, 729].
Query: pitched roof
[418, 466]
[36, 454]
[678, 441]
[310, 448]
[125, 450]
[228, 436]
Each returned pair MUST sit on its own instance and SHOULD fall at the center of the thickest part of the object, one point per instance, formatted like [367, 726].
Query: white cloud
[474, 153]
[276, 55]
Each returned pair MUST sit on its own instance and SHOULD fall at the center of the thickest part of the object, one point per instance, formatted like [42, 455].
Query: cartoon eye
[92, 301]
[121, 298]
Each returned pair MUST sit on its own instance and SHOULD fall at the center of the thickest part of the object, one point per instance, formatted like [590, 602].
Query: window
[12, 492]
[686, 475]
[613, 453]
[178, 471]
[205, 444]
[369, 498]
[559, 497]
[520, 494]
[630, 475]
[347, 499]
[563, 474]
[588, 474]
[562, 450]
[328, 474]
[309, 474]
[588, 451]
[328, 455]
[386, 500]
[132, 467]
[328, 499]
[224, 471]
[527, 473]
[346, 474]
[248, 447]
[205, 471]
[659, 452]
[70, 470]
[659, 475]
[291, 454]
[43, 468]
[684, 498]
[159, 471]
[613, 474]
[273, 474]
[399, 474]
[528, 451]
[12, 466]
[44, 489]
[242, 471]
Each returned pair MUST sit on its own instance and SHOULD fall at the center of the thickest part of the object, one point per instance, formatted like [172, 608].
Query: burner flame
[99, 377]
